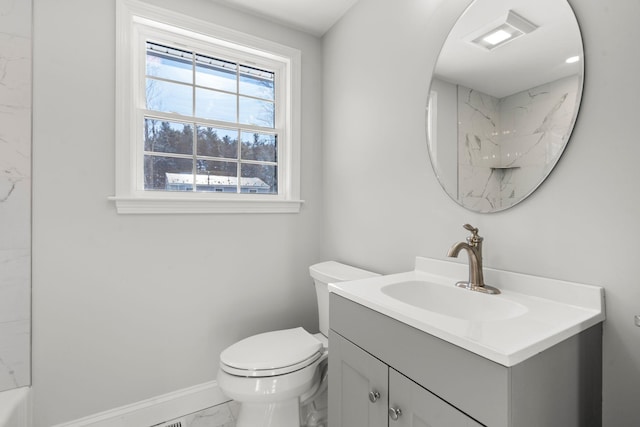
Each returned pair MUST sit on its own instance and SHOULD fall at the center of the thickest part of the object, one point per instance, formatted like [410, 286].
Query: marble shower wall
[15, 193]
[508, 145]
[479, 186]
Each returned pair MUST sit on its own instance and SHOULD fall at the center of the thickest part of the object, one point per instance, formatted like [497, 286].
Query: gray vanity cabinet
[420, 407]
[360, 394]
[365, 392]
[435, 383]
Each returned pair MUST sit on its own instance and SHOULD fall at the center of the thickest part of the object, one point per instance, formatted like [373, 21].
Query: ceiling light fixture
[504, 31]
[497, 37]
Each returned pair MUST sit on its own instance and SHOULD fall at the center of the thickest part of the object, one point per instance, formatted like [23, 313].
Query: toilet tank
[331, 272]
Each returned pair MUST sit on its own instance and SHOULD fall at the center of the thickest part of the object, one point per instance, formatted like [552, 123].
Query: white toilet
[279, 378]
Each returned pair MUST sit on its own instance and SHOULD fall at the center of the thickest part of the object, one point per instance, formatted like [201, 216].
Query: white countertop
[548, 311]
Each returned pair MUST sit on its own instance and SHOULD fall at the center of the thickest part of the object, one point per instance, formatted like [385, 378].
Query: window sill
[169, 205]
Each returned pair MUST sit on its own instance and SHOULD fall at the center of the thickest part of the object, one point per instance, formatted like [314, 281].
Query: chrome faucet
[473, 246]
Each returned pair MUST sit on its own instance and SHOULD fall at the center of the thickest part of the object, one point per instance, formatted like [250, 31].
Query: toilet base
[275, 414]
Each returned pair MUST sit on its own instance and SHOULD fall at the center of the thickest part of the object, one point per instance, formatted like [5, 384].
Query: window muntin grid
[209, 123]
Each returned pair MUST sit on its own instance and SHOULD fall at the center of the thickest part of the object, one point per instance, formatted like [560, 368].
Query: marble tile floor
[223, 415]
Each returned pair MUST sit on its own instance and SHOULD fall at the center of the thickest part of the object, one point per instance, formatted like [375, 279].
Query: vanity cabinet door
[419, 407]
[358, 386]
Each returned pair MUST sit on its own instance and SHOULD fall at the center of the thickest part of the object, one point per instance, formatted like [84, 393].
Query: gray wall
[130, 307]
[383, 204]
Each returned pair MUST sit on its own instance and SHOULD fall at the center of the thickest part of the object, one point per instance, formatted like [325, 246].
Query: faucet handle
[471, 228]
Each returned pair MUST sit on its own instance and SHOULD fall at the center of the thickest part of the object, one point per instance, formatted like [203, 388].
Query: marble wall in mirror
[503, 100]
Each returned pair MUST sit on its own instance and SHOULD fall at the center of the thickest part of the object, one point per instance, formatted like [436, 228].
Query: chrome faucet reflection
[473, 246]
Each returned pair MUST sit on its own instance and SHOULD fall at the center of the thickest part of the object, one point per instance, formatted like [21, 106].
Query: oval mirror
[503, 100]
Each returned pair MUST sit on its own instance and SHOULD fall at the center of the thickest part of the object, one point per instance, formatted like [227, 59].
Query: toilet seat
[271, 353]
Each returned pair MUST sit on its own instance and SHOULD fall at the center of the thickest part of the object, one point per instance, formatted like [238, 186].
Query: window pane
[216, 105]
[216, 74]
[256, 112]
[257, 83]
[220, 177]
[168, 137]
[217, 142]
[169, 97]
[259, 179]
[259, 146]
[168, 63]
[168, 173]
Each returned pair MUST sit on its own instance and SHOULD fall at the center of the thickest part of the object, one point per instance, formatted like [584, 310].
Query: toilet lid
[271, 353]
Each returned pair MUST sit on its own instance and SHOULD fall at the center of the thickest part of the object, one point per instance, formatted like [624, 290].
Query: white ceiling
[311, 16]
[536, 58]
[524, 63]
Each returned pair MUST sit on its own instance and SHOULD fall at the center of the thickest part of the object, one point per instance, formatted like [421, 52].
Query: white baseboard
[157, 409]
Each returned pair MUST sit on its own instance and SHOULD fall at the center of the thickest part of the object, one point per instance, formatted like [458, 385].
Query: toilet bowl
[279, 377]
[269, 373]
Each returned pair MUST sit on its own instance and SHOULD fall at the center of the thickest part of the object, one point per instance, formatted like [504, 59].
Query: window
[207, 119]
[209, 124]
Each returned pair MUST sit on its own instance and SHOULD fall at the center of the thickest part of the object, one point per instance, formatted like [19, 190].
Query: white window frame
[135, 23]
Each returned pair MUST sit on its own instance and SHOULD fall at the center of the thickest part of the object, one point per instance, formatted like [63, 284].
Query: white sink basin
[453, 301]
[530, 314]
